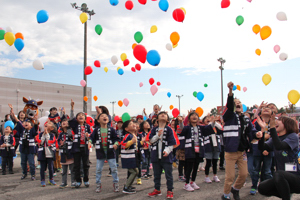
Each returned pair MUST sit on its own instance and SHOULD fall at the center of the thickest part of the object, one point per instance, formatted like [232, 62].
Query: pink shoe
[150, 166]
[188, 187]
[194, 185]
[207, 180]
[216, 179]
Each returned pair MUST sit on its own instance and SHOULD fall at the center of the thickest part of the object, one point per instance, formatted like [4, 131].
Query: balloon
[126, 62]
[97, 63]
[293, 96]
[225, 3]
[245, 89]
[143, 2]
[158, 83]
[174, 37]
[238, 87]
[88, 70]
[82, 83]
[126, 102]
[169, 47]
[249, 1]
[183, 9]
[153, 57]
[205, 85]
[95, 98]
[38, 65]
[239, 20]
[195, 94]
[129, 5]
[42, 16]
[133, 45]
[83, 17]
[153, 29]
[151, 81]
[133, 69]
[199, 111]
[234, 88]
[283, 56]
[19, 35]
[138, 67]
[256, 28]
[175, 112]
[140, 53]
[163, 5]
[123, 56]
[2, 33]
[258, 52]
[174, 46]
[118, 68]
[200, 96]
[138, 37]
[265, 32]
[169, 94]
[153, 89]
[171, 107]
[85, 98]
[126, 117]
[178, 15]
[114, 2]
[145, 118]
[8, 29]
[141, 84]
[10, 124]
[120, 103]
[244, 108]
[281, 16]
[116, 118]
[120, 71]
[266, 79]
[19, 44]
[114, 60]
[9, 38]
[98, 29]
[276, 48]
[105, 69]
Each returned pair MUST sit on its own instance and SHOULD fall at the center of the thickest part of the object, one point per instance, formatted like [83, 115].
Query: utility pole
[179, 96]
[222, 61]
[113, 106]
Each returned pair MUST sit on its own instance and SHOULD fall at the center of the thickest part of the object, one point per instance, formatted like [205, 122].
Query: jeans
[30, 158]
[250, 163]
[113, 167]
[7, 160]
[257, 161]
[78, 157]
[44, 163]
[65, 173]
[147, 161]
[157, 168]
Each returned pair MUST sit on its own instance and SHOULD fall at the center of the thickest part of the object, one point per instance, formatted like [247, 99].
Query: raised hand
[11, 107]
[159, 108]
[230, 85]
[272, 120]
[179, 119]
[72, 104]
[261, 123]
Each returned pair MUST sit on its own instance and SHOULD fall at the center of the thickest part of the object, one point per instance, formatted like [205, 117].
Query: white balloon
[38, 65]
[42, 121]
[169, 47]
[281, 16]
[114, 60]
[283, 56]
[8, 29]
[47, 113]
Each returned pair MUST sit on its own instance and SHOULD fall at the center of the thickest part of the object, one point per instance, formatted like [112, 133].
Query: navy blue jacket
[128, 156]
[26, 136]
[76, 128]
[8, 151]
[207, 141]
[50, 143]
[68, 139]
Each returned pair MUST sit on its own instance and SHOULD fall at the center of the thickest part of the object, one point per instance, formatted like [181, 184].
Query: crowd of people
[263, 144]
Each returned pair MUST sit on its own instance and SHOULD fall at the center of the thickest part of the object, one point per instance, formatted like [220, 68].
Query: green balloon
[138, 37]
[2, 33]
[98, 29]
[205, 85]
[195, 94]
[239, 20]
[125, 117]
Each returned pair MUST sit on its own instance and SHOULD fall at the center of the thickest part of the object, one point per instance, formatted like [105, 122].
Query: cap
[139, 117]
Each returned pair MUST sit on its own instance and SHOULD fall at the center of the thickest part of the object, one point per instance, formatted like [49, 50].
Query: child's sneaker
[43, 184]
[77, 184]
[207, 180]
[194, 185]
[23, 176]
[128, 190]
[98, 187]
[154, 193]
[73, 185]
[54, 174]
[163, 171]
[38, 167]
[51, 182]
[188, 187]
[216, 179]
[63, 185]
[175, 165]
[150, 166]
[253, 191]
[225, 198]
[69, 173]
[145, 177]
[181, 179]
[87, 184]
[169, 195]
[139, 181]
[116, 187]
[33, 177]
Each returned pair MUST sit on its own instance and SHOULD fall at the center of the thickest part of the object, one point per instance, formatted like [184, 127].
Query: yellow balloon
[258, 52]
[118, 68]
[153, 29]
[266, 79]
[105, 69]
[256, 28]
[293, 96]
[182, 8]
[123, 56]
[265, 32]
[9, 38]
[83, 17]
[174, 46]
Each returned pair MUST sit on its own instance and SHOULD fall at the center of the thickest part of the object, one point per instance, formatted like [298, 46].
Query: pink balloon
[153, 89]
[1, 28]
[82, 83]
[125, 102]
[249, 1]
[244, 89]
[141, 84]
[276, 48]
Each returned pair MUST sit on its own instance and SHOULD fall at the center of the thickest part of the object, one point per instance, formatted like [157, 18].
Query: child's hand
[179, 119]
[143, 139]
[259, 134]
[160, 132]
[265, 153]
[115, 147]
[230, 85]
[87, 134]
[11, 107]
[72, 104]
[165, 154]
[134, 139]
[61, 142]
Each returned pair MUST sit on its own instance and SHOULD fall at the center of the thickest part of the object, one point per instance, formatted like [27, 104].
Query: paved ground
[11, 187]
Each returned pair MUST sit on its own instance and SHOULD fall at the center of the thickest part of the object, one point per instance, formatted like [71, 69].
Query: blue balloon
[244, 108]
[19, 44]
[121, 71]
[169, 94]
[42, 16]
[234, 88]
[9, 123]
[145, 118]
[163, 5]
[200, 96]
[153, 57]
[114, 2]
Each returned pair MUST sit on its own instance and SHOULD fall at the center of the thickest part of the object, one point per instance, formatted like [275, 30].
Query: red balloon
[126, 62]
[175, 112]
[138, 67]
[151, 81]
[133, 69]
[225, 3]
[88, 70]
[129, 4]
[117, 118]
[143, 2]
[178, 15]
[97, 63]
[158, 83]
[140, 53]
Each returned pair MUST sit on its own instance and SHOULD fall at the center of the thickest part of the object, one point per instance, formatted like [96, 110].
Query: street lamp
[179, 96]
[85, 9]
[222, 61]
[113, 106]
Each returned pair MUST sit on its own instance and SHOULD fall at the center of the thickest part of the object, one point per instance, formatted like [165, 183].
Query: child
[120, 135]
[128, 155]
[139, 153]
[106, 143]
[144, 130]
[46, 151]
[162, 140]
[180, 153]
[54, 117]
[7, 143]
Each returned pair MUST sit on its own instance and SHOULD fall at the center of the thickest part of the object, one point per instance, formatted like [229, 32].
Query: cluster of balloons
[198, 95]
[293, 96]
[10, 38]
[42, 16]
[266, 79]
[98, 29]
[37, 64]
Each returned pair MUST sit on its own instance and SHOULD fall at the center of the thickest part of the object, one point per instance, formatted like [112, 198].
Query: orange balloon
[85, 98]
[238, 87]
[256, 28]
[174, 37]
[171, 107]
[120, 103]
[19, 35]
[134, 44]
[265, 32]
[199, 111]
[258, 52]
[95, 98]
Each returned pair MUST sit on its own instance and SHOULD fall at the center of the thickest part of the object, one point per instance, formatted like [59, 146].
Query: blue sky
[207, 33]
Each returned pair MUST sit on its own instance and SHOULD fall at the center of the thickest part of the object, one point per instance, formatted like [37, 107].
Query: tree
[214, 111]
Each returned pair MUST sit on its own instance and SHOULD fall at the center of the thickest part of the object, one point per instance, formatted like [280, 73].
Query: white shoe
[188, 187]
[194, 185]
[207, 180]
[216, 179]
